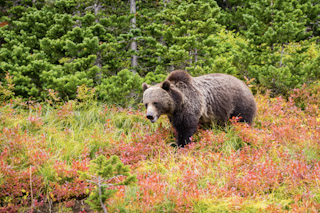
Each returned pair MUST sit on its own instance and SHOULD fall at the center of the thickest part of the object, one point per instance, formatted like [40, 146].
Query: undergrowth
[273, 166]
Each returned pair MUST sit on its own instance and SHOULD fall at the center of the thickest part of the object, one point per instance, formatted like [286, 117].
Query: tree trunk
[98, 62]
[171, 68]
[281, 56]
[195, 55]
[190, 58]
[96, 7]
[133, 22]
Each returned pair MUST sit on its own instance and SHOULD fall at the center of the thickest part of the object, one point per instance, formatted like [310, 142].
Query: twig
[100, 194]
[30, 171]
[50, 204]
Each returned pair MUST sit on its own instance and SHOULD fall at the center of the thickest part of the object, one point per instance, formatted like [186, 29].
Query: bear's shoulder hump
[179, 76]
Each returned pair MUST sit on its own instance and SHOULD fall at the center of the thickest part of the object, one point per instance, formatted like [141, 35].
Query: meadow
[273, 166]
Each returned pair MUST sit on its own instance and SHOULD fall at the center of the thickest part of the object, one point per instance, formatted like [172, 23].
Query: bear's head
[158, 100]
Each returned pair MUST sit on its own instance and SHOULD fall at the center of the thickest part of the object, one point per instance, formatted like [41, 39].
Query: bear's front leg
[185, 126]
[184, 135]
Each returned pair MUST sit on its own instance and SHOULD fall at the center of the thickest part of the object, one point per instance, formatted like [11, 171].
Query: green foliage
[277, 22]
[123, 89]
[151, 77]
[6, 88]
[179, 31]
[102, 172]
[279, 34]
[286, 67]
[61, 45]
[49, 47]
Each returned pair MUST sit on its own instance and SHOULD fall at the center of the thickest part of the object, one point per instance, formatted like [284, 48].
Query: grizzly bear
[189, 101]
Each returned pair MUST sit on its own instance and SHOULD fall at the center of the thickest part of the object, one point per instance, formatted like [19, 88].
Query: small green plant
[52, 98]
[86, 97]
[7, 89]
[106, 174]
[85, 93]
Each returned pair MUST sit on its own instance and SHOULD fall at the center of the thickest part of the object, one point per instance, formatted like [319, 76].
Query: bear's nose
[150, 117]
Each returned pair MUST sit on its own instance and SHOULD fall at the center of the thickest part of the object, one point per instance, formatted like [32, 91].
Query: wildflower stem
[30, 171]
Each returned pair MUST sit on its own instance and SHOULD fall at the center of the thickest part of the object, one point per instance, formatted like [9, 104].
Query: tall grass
[271, 167]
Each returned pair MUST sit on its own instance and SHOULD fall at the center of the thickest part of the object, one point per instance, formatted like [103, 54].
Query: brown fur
[207, 99]
[179, 75]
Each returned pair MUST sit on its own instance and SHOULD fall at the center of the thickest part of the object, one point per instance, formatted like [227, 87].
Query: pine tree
[149, 38]
[133, 23]
[63, 44]
[180, 29]
[275, 22]
[104, 174]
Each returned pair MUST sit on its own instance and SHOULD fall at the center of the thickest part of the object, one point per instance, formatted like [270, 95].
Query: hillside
[271, 167]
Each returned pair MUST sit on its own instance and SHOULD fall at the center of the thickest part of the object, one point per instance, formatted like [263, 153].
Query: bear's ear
[145, 86]
[166, 85]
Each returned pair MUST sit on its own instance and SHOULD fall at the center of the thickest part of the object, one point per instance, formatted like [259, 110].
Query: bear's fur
[189, 101]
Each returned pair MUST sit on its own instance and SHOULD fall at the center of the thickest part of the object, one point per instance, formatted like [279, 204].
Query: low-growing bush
[121, 89]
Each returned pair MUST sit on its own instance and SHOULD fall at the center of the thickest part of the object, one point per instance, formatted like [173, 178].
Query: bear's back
[219, 84]
[223, 95]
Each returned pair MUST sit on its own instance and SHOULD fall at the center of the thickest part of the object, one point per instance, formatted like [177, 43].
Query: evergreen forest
[114, 45]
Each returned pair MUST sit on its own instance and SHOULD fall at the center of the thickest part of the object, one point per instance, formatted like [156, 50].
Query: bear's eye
[155, 103]
[146, 105]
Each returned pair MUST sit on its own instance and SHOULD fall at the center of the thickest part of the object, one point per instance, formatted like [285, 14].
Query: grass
[271, 167]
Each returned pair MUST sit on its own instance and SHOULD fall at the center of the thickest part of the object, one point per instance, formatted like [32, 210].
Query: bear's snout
[150, 117]
[152, 113]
